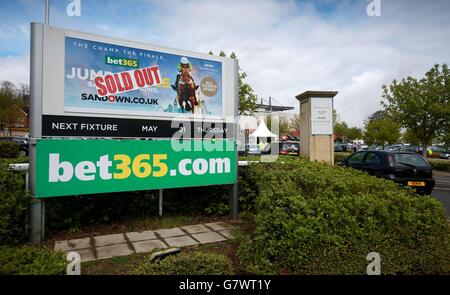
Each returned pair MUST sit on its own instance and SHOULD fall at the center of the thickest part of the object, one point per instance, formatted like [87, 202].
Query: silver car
[445, 155]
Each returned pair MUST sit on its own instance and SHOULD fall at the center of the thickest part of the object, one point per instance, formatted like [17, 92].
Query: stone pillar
[316, 125]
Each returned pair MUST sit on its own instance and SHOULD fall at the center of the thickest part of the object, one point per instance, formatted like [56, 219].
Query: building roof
[273, 108]
[308, 94]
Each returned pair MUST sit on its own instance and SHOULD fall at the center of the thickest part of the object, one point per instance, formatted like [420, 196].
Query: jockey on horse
[185, 86]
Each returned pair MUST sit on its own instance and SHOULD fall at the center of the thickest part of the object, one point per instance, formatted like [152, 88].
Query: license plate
[292, 153]
[416, 183]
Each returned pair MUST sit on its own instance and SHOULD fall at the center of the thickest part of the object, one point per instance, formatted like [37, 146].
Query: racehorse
[186, 92]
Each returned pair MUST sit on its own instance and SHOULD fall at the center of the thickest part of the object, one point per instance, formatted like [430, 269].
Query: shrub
[31, 260]
[13, 206]
[197, 263]
[442, 165]
[9, 149]
[73, 212]
[312, 218]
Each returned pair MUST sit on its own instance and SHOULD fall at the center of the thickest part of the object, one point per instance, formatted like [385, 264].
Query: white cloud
[287, 47]
[15, 69]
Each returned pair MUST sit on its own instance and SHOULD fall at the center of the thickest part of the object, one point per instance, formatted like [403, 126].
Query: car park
[406, 168]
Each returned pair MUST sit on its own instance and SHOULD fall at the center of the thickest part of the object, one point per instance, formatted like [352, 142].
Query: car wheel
[22, 153]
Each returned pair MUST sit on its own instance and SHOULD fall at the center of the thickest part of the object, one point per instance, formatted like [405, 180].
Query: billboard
[108, 78]
[89, 80]
[74, 167]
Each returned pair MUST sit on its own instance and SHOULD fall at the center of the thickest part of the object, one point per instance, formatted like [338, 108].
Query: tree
[444, 138]
[410, 137]
[421, 106]
[294, 124]
[10, 104]
[247, 96]
[381, 129]
[354, 133]
[341, 131]
[283, 125]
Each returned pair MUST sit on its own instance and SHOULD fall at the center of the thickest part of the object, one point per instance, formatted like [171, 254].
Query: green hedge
[31, 260]
[13, 204]
[442, 165]
[196, 263]
[312, 218]
[9, 149]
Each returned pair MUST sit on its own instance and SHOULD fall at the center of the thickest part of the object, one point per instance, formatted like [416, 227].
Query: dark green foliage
[73, 212]
[13, 205]
[443, 165]
[312, 218]
[9, 149]
[31, 260]
[196, 263]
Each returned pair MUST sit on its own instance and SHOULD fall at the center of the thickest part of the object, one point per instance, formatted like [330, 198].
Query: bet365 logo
[121, 61]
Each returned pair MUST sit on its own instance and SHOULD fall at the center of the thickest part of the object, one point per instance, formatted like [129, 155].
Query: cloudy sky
[285, 47]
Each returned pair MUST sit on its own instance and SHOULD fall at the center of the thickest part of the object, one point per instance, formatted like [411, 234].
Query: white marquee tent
[262, 131]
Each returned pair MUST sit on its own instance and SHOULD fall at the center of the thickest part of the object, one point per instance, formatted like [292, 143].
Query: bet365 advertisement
[113, 79]
[75, 167]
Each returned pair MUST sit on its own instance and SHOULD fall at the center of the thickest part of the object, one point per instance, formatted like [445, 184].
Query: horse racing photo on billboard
[114, 79]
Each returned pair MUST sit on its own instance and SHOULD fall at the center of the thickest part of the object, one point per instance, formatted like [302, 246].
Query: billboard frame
[38, 92]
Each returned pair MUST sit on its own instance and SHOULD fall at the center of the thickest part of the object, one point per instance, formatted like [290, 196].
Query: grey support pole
[47, 11]
[160, 201]
[36, 71]
[234, 193]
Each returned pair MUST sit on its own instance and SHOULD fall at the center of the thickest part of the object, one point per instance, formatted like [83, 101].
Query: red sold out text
[127, 81]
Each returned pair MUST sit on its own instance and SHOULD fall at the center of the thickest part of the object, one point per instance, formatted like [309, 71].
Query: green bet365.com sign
[75, 167]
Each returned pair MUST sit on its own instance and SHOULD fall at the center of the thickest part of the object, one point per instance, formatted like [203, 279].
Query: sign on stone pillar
[316, 125]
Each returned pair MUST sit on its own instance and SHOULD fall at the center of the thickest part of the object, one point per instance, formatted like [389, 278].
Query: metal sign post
[234, 193]
[37, 206]
[160, 202]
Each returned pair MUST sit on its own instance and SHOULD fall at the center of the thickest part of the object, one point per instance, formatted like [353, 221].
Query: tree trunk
[424, 150]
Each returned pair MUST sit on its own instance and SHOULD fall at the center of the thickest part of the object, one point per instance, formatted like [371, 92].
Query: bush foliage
[196, 263]
[31, 260]
[311, 218]
[13, 204]
[9, 149]
[442, 165]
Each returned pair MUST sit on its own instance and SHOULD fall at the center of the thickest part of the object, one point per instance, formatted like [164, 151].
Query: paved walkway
[108, 246]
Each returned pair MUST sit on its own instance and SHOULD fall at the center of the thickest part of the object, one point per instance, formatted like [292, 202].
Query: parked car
[252, 150]
[445, 155]
[343, 147]
[406, 168]
[411, 148]
[435, 151]
[338, 147]
[21, 141]
[393, 147]
[375, 148]
[290, 148]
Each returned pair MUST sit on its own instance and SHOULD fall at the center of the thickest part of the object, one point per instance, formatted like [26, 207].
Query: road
[442, 189]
